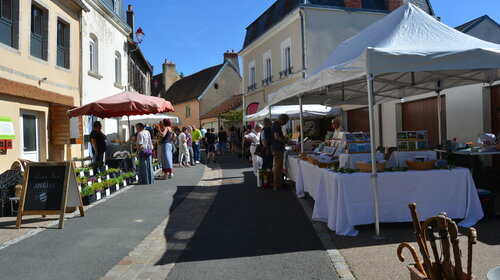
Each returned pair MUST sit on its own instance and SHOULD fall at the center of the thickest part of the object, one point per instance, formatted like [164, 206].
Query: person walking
[183, 148]
[211, 142]
[254, 138]
[189, 139]
[196, 136]
[167, 137]
[98, 141]
[278, 149]
[222, 140]
[144, 147]
[233, 138]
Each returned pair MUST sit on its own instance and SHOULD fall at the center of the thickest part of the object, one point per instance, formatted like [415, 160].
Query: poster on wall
[6, 128]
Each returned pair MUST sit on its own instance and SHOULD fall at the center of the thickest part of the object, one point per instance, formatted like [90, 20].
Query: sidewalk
[88, 247]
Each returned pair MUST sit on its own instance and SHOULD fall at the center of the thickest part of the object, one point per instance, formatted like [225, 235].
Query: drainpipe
[80, 81]
[303, 35]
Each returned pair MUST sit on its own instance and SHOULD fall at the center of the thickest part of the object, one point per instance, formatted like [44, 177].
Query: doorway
[29, 140]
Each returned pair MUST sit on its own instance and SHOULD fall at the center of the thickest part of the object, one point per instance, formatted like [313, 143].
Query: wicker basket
[367, 167]
[420, 165]
[303, 156]
[312, 160]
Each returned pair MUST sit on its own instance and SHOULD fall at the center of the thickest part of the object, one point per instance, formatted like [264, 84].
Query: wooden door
[423, 115]
[358, 120]
[495, 119]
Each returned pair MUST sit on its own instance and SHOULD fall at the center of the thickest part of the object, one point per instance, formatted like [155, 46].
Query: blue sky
[194, 34]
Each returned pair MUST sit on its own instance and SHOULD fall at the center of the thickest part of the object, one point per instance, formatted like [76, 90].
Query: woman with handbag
[255, 149]
[144, 146]
[167, 137]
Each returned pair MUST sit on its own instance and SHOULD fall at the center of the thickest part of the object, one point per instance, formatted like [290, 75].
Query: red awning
[126, 103]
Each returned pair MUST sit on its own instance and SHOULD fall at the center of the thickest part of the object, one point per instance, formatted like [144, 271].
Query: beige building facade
[40, 78]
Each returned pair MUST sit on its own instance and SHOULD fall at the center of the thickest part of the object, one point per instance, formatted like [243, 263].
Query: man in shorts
[211, 140]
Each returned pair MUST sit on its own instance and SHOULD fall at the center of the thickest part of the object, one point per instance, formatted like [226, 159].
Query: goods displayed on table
[357, 142]
[440, 265]
[366, 165]
[412, 140]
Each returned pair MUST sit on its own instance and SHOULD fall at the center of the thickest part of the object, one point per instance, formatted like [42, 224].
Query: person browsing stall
[278, 149]
[254, 138]
[98, 141]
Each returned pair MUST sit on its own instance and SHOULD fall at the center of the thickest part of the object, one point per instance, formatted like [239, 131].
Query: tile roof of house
[193, 86]
[469, 25]
[224, 107]
[281, 8]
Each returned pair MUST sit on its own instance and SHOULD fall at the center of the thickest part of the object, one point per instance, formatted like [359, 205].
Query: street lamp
[139, 35]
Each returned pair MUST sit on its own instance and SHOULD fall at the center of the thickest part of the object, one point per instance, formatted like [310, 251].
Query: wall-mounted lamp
[41, 81]
[139, 35]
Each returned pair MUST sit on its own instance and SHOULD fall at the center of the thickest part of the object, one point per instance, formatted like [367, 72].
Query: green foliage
[113, 170]
[97, 187]
[396, 169]
[129, 175]
[87, 191]
[82, 180]
[84, 169]
[233, 115]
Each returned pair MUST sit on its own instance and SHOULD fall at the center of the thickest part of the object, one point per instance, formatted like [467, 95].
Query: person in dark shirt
[211, 139]
[98, 141]
[278, 148]
[266, 140]
[222, 140]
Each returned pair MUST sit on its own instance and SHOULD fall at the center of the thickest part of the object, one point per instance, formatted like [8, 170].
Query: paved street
[206, 223]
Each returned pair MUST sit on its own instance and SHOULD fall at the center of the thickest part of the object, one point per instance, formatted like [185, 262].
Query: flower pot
[98, 196]
[117, 187]
[107, 191]
[89, 199]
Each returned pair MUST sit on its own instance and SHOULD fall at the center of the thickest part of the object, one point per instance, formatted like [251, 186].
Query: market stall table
[346, 200]
[398, 158]
[350, 160]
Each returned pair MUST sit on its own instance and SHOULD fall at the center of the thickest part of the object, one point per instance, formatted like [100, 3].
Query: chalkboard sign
[48, 188]
[45, 187]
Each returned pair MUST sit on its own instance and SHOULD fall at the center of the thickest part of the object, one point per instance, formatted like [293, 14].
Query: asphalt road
[252, 233]
[88, 247]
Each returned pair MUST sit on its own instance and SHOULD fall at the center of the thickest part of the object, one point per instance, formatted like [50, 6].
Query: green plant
[156, 163]
[87, 191]
[113, 170]
[84, 169]
[102, 174]
[97, 187]
[129, 175]
[119, 179]
[233, 115]
[82, 180]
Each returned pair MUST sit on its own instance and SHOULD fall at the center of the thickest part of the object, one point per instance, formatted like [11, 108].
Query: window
[62, 44]
[286, 58]
[251, 76]
[118, 69]
[188, 111]
[39, 25]
[116, 6]
[267, 69]
[6, 22]
[93, 54]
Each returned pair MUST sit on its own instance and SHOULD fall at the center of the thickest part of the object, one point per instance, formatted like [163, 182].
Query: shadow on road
[243, 221]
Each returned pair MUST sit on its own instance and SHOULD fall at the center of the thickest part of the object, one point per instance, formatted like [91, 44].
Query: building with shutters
[39, 77]
[292, 38]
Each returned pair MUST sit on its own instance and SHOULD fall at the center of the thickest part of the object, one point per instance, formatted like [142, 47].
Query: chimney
[233, 57]
[353, 4]
[394, 4]
[170, 75]
[130, 20]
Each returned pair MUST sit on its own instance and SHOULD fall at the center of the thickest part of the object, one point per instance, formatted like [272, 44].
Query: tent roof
[408, 52]
[293, 111]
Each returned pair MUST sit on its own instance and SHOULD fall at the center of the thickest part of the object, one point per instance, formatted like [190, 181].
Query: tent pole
[301, 126]
[270, 115]
[440, 135]
[129, 133]
[371, 107]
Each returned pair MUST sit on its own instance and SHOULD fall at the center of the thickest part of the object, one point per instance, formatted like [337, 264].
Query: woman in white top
[254, 138]
[183, 148]
[144, 147]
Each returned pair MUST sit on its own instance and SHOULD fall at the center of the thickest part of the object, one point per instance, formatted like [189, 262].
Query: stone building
[195, 95]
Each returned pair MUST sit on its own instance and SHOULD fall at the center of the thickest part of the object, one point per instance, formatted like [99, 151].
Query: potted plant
[98, 189]
[88, 195]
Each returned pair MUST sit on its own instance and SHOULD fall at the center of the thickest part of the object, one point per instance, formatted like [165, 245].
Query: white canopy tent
[406, 53]
[149, 119]
[293, 111]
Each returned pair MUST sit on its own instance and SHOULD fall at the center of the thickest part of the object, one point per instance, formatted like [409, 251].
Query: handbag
[259, 150]
[146, 152]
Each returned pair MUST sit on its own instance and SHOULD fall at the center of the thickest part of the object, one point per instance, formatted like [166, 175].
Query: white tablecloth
[346, 200]
[398, 158]
[350, 160]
